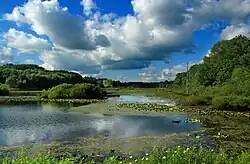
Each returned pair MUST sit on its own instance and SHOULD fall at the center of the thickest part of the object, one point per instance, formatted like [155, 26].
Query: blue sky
[140, 37]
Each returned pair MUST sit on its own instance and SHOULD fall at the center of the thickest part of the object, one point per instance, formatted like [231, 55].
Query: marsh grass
[231, 133]
[25, 93]
[15, 101]
[173, 94]
[178, 155]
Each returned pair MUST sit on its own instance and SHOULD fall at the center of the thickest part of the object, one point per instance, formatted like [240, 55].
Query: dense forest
[33, 77]
[108, 83]
[226, 71]
[223, 79]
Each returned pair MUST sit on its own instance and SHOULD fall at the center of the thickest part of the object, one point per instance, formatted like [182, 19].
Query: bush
[237, 103]
[197, 100]
[220, 103]
[4, 89]
[77, 91]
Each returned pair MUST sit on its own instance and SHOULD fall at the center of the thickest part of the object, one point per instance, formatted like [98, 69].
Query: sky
[126, 40]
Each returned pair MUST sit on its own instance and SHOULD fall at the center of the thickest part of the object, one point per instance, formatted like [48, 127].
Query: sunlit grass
[17, 100]
[178, 155]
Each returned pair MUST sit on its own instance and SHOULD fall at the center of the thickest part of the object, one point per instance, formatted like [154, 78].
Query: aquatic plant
[192, 120]
[25, 93]
[150, 107]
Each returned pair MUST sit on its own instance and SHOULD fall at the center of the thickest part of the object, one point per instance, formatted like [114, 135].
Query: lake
[20, 124]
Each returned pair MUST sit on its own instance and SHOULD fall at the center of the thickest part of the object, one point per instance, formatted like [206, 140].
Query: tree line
[224, 75]
[226, 71]
[33, 77]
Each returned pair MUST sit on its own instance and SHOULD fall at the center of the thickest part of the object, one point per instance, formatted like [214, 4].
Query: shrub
[196, 100]
[220, 102]
[77, 91]
[4, 89]
[237, 103]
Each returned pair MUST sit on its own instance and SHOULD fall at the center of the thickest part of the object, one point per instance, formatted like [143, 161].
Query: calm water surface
[20, 124]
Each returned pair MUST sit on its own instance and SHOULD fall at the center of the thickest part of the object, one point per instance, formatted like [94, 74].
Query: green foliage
[220, 103]
[178, 155]
[33, 77]
[4, 89]
[221, 65]
[231, 103]
[77, 91]
[224, 75]
[180, 79]
[19, 100]
[25, 93]
[108, 83]
[197, 100]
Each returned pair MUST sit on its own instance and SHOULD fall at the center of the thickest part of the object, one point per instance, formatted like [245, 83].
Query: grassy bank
[175, 94]
[115, 108]
[158, 92]
[177, 155]
[200, 110]
[45, 100]
[25, 93]
[230, 103]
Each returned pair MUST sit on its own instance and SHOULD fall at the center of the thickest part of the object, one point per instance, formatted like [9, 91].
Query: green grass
[13, 101]
[178, 155]
[175, 94]
[218, 102]
[116, 108]
[25, 93]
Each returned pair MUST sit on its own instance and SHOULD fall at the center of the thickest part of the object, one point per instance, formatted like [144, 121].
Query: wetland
[50, 125]
[128, 124]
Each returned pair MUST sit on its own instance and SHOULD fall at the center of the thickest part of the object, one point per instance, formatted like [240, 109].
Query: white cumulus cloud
[25, 42]
[88, 6]
[156, 30]
[50, 19]
[6, 55]
[234, 30]
[170, 73]
[152, 74]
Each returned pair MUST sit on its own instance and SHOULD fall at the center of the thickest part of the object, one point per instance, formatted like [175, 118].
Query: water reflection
[144, 99]
[44, 123]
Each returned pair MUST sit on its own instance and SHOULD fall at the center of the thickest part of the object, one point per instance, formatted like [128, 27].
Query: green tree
[77, 91]
[26, 76]
[107, 83]
[4, 90]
